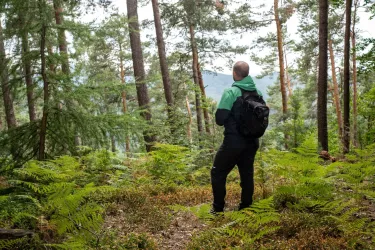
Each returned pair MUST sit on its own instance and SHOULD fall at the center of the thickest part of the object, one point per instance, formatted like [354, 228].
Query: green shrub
[171, 164]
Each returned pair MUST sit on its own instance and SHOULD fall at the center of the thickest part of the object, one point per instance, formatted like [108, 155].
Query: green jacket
[230, 95]
[229, 108]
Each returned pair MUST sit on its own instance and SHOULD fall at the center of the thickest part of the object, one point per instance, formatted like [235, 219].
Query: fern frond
[11, 244]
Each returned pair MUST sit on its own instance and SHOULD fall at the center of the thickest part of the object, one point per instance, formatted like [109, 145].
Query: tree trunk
[113, 144]
[7, 96]
[163, 60]
[61, 37]
[123, 94]
[204, 102]
[139, 70]
[355, 94]
[27, 70]
[322, 75]
[63, 48]
[196, 79]
[43, 125]
[347, 77]
[289, 84]
[9, 234]
[336, 94]
[281, 64]
[52, 68]
[1, 120]
[190, 117]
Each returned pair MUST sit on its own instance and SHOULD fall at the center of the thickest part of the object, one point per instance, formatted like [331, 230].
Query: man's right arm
[221, 115]
[225, 105]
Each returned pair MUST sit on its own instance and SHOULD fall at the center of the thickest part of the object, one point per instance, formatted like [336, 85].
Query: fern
[201, 211]
[13, 244]
[252, 224]
[57, 190]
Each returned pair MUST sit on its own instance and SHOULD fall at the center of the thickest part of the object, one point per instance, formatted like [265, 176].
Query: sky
[366, 27]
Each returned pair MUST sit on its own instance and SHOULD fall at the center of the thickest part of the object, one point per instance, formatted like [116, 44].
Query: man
[236, 148]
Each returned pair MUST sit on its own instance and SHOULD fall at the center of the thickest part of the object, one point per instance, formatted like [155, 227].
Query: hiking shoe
[242, 207]
[215, 212]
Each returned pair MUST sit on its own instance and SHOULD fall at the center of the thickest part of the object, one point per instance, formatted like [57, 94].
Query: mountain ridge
[215, 83]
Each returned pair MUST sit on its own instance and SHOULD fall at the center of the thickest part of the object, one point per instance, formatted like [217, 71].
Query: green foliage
[62, 191]
[22, 243]
[171, 163]
[366, 107]
[254, 223]
[201, 211]
[19, 211]
[138, 241]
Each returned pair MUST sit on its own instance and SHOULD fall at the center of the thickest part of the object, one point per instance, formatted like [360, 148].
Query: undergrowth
[101, 201]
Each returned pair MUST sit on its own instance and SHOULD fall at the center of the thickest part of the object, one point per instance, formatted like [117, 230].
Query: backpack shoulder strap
[246, 94]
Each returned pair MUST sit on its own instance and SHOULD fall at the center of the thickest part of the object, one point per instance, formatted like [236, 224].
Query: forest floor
[159, 201]
[154, 214]
[301, 202]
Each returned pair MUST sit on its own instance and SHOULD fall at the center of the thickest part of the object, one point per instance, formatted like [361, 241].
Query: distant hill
[215, 83]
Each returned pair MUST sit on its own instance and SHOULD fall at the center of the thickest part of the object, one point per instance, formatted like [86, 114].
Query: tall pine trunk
[347, 77]
[206, 115]
[27, 68]
[355, 93]
[198, 106]
[322, 75]
[336, 94]
[281, 65]
[288, 80]
[139, 70]
[188, 128]
[51, 66]
[123, 95]
[7, 97]
[1, 119]
[61, 37]
[63, 48]
[43, 125]
[163, 61]
[113, 143]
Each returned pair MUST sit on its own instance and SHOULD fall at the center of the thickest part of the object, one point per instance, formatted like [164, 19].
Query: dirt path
[180, 231]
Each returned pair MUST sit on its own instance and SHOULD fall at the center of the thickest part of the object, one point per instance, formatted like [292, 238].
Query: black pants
[225, 160]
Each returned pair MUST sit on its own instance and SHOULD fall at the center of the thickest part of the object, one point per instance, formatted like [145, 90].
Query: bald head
[240, 70]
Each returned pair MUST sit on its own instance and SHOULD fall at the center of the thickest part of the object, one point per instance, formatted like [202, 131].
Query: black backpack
[253, 116]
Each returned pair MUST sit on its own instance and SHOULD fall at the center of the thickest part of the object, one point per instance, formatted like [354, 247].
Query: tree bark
[206, 115]
[355, 93]
[113, 144]
[8, 234]
[322, 75]
[27, 69]
[289, 84]
[123, 94]
[163, 60]
[7, 96]
[63, 48]
[139, 70]
[336, 94]
[347, 77]
[196, 79]
[190, 117]
[43, 125]
[281, 65]
[61, 37]
[281, 57]
[52, 68]
[1, 120]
